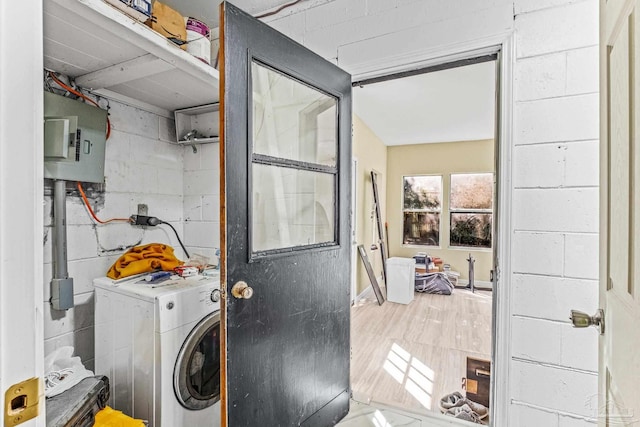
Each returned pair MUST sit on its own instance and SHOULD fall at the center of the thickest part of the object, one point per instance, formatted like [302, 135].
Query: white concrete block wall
[555, 166]
[377, 31]
[555, 196]
[139, 168]
[202, 200]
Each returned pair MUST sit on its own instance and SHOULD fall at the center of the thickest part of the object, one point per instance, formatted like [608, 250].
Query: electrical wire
[86, 203]
[116, 249]
[81, 95]
[179, 241]
[46, 81]
[278, 10]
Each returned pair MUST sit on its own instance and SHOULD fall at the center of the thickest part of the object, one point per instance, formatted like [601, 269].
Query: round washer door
[196, 376]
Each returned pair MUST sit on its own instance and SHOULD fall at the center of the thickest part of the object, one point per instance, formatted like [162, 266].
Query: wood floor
[409, 356]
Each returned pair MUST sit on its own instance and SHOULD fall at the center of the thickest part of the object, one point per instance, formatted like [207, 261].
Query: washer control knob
[170, 305]
[242, 290]
[215, 295]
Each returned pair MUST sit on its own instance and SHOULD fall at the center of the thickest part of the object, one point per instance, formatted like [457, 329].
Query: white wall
[555, 194]
[140, 167]
[555, 260]
[21, 176]
[202, 200]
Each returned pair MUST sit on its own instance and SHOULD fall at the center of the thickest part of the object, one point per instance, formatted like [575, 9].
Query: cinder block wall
[202, 200]
[555, 166]
[555, 240]
[140, 167]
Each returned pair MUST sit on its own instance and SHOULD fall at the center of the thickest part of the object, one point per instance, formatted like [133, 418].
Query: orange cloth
[142, 259]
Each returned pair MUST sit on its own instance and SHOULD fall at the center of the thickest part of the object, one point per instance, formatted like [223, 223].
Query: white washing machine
[160, 347]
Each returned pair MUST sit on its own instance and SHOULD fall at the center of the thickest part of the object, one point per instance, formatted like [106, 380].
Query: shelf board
[109, 52]
[199, 141]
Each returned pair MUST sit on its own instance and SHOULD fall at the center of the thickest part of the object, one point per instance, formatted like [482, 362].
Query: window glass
[470, 209]
[471, 229]
[421, 228]
[422, 203]
[292, 120]
[291, 207]
[422, 192]
[471, 191]
[293, 163]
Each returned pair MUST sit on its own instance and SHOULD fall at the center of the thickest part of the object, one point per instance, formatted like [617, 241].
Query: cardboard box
[170, 23]
[478, 381]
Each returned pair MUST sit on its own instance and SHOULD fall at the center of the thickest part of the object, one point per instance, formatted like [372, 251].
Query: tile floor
[378, 415]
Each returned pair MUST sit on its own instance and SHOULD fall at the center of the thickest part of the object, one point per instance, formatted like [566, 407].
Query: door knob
[583, 320]
[242, 290]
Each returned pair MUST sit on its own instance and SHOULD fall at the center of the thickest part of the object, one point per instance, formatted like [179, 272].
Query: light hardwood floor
[409, 356]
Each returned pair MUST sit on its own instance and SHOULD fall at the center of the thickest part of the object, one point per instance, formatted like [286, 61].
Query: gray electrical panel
[74, 139]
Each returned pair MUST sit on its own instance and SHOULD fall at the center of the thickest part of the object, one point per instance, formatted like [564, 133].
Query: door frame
[354, 228]
[504, 45]
[21, 209]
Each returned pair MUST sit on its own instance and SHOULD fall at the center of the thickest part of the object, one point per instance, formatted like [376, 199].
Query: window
[422, 203]
[294, 164]
[471, 211]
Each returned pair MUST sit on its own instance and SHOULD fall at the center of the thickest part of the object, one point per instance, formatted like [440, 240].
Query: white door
[619, 394]
[21, 222]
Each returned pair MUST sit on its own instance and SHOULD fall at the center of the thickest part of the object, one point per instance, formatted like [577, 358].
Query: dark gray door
[285, 159]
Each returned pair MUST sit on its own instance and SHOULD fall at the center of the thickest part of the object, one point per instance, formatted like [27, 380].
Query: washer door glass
[197, 372]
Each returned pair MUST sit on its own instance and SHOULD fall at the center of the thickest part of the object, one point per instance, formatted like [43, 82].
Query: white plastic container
[198, 39]
[401, 277]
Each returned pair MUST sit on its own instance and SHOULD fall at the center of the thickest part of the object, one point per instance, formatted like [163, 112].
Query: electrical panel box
[74, 139]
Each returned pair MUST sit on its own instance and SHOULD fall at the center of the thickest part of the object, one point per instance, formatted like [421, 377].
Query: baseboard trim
[364, 294]
[477, 283]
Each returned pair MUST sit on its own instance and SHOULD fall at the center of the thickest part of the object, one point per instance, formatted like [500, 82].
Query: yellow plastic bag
[111, 418]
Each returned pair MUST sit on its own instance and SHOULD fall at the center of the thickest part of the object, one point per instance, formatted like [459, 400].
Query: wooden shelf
[117, 56]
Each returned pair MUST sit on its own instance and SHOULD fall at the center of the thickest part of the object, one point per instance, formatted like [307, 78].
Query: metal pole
[61, 284]
[60, 270]
[471, 273]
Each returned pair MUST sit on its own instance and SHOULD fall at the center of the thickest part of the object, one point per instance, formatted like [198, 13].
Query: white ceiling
[208, 10]
[457, 104]
[450, 105]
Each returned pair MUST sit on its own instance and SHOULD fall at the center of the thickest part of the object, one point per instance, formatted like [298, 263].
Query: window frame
[438, 211]
[453, 211]
[256, 158]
